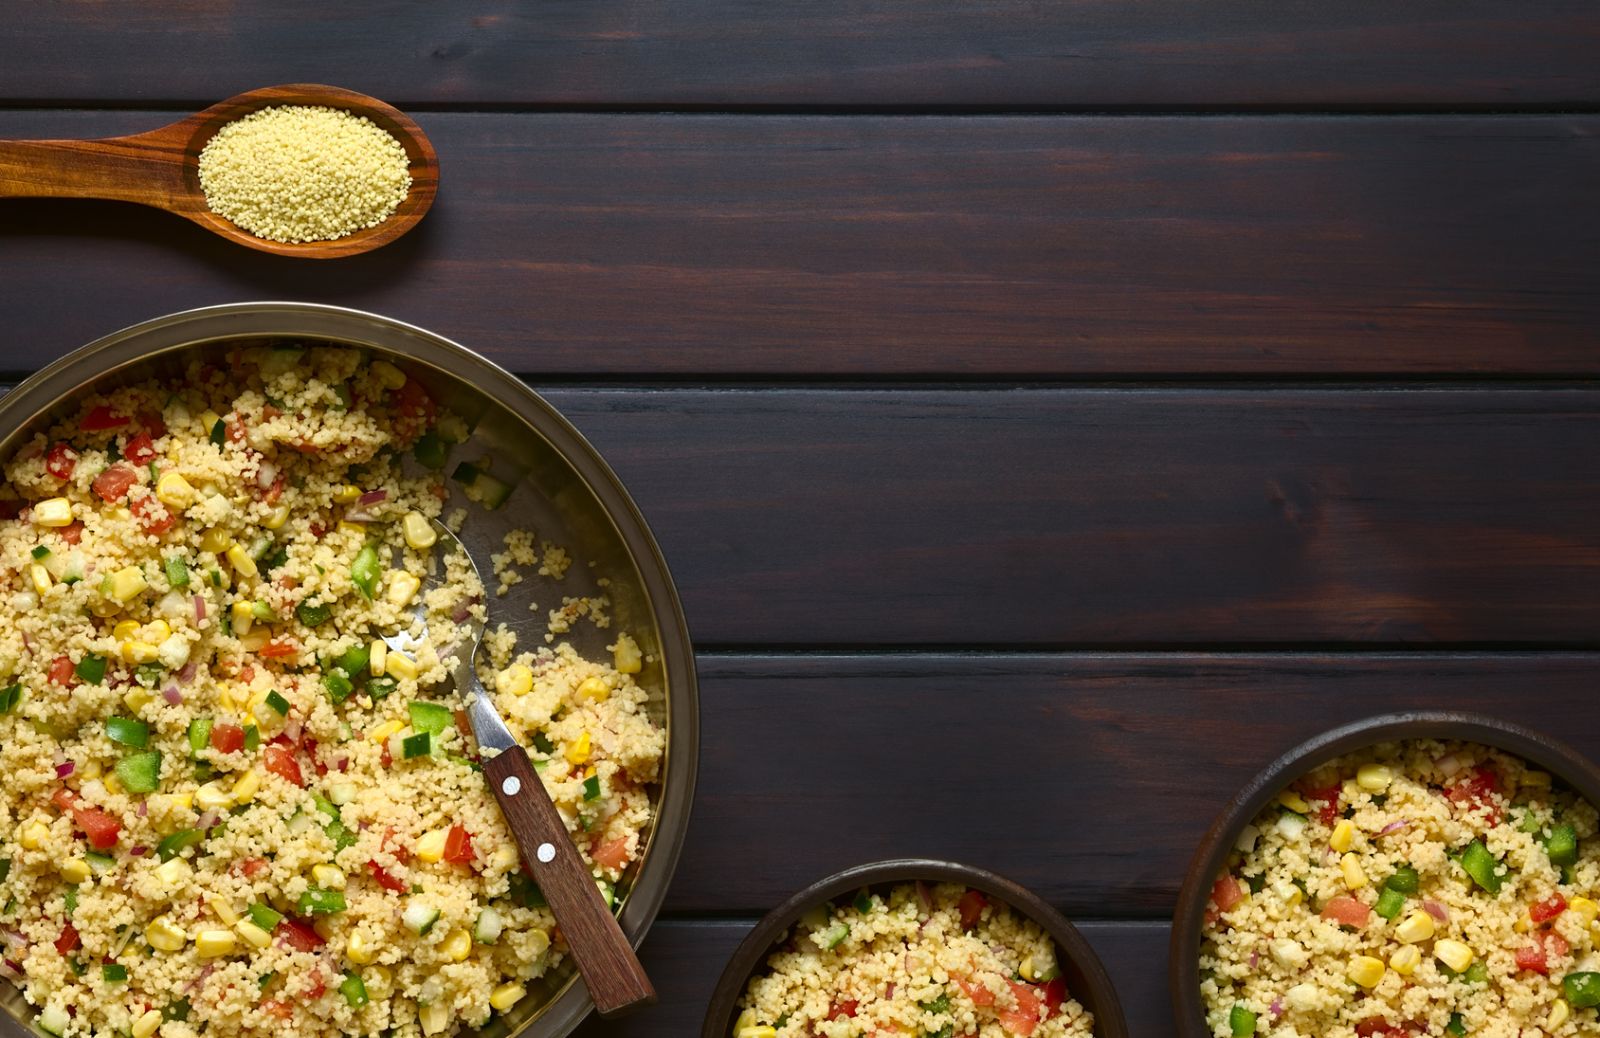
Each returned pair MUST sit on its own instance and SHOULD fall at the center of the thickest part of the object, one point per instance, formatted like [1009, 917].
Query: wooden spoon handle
[617, 982]
[146, 168]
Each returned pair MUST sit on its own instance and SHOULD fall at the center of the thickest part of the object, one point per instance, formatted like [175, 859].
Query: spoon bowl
[161, 168]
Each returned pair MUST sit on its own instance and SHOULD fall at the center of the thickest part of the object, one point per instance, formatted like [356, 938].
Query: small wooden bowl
[1183, 969]
[1087, 980]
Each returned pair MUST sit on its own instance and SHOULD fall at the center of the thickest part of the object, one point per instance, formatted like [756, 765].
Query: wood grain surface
[1073, 516]
[942, 53]
[892, 246]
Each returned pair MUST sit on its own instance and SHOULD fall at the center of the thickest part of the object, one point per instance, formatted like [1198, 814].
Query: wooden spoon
[161, 168]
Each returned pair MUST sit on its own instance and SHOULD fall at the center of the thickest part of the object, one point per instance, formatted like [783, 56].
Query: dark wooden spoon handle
[617, 982]
[146, 168]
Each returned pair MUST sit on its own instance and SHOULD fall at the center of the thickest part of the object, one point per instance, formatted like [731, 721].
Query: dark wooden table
[1051, 411]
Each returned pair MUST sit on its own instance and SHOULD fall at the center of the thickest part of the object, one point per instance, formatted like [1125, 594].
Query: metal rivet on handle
[546, 852]
[511, 786]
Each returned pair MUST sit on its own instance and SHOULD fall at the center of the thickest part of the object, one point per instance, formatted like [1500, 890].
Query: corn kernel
[241, 561]
[128, 583]
[359, 950]
[253, 934]
[1523, 924]
[402, 588]
[158, 631]
[1559, 1011]
[216, 540]
[323, 926]
[431, 846]
[399, 665]
[1584, 909]
[1531, 777]
[246, 788]
[139, 652]
[355, 529]
[434, 1017]
[378, 979]
[578, 752]
[173, 490]
[212, 943]
[1418, 927]
[388, 376]
[212, 797]
[256, 639]
[456, 947]
[1026, 969]
[55, 511]
[516, 680]
[745, 1019]
[147, 1024]
[1453, 954]
[208, 421]
[377, 657]
[76, 870]
[595, 689]
[1354, 877]
[345, 494]
[40, 576]
[276, 518]
[174, 874]
[328, 877]
[504, 858]
[625, 655]
[34, 835]
[1374, 778]
[419, 533]
[384, 731]
[125, 630]
[112, 783]
[1294, 802]
[1365, 970]
[223, 910]
[1343, 834]
[164, 935]
[1405, 959]
[506, 995]
[759, 1031]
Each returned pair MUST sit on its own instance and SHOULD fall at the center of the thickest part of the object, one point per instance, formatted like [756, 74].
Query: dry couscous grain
[1419, 888]
[227, 803]
[932, 962]
[302, 173]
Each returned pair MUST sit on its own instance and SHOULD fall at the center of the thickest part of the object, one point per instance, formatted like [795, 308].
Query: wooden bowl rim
[1095, 990]
[1183, 975]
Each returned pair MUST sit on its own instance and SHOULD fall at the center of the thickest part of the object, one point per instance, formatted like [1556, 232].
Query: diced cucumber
[53, 1019]
[419, 917]
[481, 487]
[835, 936]
[489, 926]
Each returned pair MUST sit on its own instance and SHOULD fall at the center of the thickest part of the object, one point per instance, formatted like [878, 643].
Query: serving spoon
[617, 982]
[161, 168]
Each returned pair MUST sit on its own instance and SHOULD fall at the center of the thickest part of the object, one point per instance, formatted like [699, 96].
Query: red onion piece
[1437, 910]
[292, 730]
[889, 992]
[372, 497]
[925, 896]
[13, 938]
[1276, 1009]
[11, 971]
[27, 642]
[1255, 959]
[172, 695]
[194, 985]
[207, 820]
[341, 763]
[461, 613]
[1449, 764]
[1394, 827]
[266, 472]
[188, 672]
[139, 851]
[199, 609]
[144, 809]
[63, 770]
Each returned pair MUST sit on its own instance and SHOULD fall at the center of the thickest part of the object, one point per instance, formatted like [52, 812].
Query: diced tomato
[1478, 792]
[1226, 893]
[281, 763]
[112, 484]
[463, 725]
[235, 430]
[385, 880]
[101, 418]
[298, 934]
[253, 867]
[61, 460]
[152, 514]
[1347, 911]
[153, 423]
[412, 401]
[458, 846]
[63, 672]
[387, 758]
[64, 799]
[1053, 994]
[318, 988]
[611, 855]
[270, 412]
[309, 745]
[275, 491]
[1548, 909]
[1023, 1019]
[979, 993]
[72, 533]
[398, 850]
[99, 826]
[279, 650]
[277, 1010]
[1377, 1027]
[67, 941]
[140, 449]
[247, 673]
[842, 1010]
[971, 906]
[1532, 959]
[1328, 797]
[227, 738]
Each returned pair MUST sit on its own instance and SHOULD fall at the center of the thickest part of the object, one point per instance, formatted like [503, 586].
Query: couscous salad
[229, 808]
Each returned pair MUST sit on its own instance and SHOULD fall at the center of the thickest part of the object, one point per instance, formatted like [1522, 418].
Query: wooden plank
[1116, 517]
[876, 52]
[685, 958]
[1088, 778]
[863, 245]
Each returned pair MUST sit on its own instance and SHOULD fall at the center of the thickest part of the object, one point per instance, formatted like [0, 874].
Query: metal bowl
[1087, 980]
[562, 489]
[1183, 971]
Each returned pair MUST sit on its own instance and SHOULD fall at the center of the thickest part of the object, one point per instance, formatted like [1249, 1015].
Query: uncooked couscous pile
[229, 806]
[302, 173]
[1419, 888]
[934, 962]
